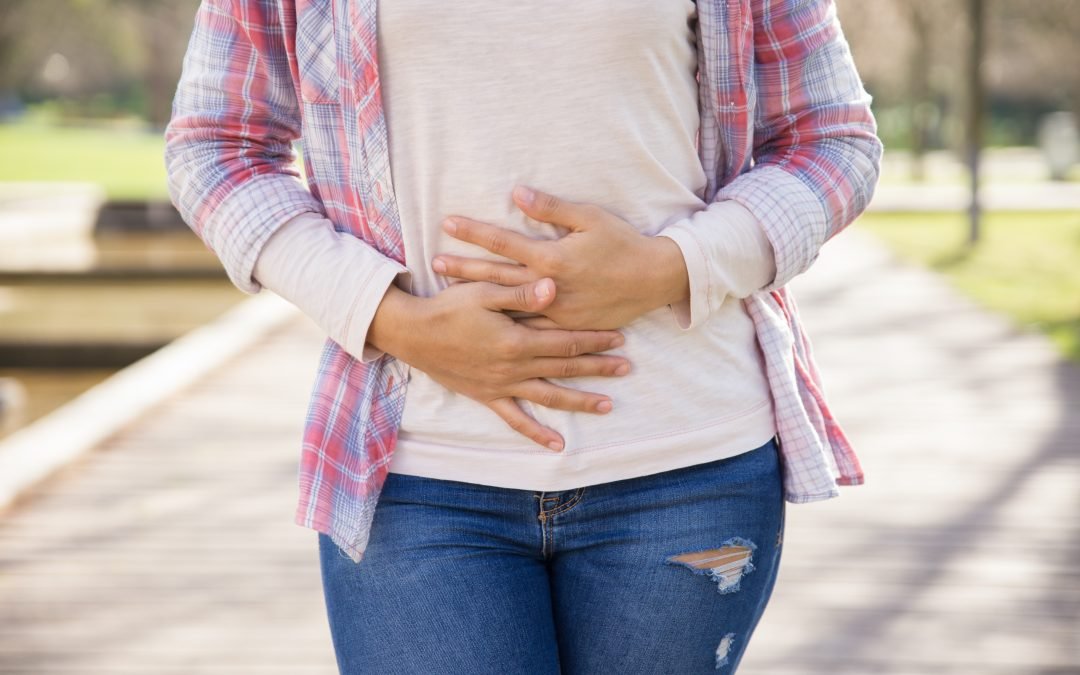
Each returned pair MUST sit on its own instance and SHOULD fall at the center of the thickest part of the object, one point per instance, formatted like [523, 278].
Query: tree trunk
[976, 98]
[919, 83]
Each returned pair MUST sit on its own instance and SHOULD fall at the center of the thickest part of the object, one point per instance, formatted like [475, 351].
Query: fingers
[579, 366]
[498, 240]
[548, 208]
[530, 297]
[570, 343]
[472, 269]
[554, 396]
[511, 413]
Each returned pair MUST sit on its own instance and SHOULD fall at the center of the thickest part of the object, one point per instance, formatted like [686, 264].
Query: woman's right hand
[463, 340]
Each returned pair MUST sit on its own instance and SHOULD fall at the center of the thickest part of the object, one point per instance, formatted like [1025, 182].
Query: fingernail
[555, 445]
[618, 341]
[450, 226]
[439, 266]
[622, 370]
[604, 406]
[524, 195]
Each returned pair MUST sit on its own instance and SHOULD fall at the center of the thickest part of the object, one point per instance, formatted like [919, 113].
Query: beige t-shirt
[592, 104]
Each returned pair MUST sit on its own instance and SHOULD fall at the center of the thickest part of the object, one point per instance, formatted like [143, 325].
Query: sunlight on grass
[1027, 265]
[128, 163]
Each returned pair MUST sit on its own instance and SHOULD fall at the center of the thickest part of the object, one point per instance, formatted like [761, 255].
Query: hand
[470, 346]
[606, 272]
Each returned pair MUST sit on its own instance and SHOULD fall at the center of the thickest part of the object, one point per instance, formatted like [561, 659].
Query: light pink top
[602, 124]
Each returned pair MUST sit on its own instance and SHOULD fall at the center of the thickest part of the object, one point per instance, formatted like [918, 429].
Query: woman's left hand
[606, 273]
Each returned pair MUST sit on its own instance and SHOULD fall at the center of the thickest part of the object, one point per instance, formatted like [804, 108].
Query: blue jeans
[665, 573]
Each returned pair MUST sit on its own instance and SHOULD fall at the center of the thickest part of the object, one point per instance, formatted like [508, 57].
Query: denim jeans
[665, 573]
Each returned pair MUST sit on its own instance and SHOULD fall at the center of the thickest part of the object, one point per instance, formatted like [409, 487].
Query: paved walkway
[960, 555]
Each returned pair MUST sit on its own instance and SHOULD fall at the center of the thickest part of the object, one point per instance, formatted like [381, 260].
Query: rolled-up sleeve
[727, 255]
[228, 145]
[816, 151]
[333, 277]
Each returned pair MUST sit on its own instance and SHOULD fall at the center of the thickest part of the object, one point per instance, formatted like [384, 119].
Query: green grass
[128, 163]
[1026, 265]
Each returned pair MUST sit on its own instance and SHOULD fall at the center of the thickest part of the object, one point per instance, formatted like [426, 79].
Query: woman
[565, 391]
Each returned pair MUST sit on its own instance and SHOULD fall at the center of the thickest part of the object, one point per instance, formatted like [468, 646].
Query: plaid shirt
[786, 131]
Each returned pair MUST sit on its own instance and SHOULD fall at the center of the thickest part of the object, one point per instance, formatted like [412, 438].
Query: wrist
[394, 325]
[669, 280]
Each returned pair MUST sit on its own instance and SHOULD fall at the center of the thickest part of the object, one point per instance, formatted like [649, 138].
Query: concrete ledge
[73, 353]
[1034, 196]
[33, 453]
[43, 211]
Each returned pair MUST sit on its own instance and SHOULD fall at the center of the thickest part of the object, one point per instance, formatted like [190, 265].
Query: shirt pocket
[316, 51]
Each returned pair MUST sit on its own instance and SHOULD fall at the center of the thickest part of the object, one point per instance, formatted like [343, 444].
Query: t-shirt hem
[571, 469]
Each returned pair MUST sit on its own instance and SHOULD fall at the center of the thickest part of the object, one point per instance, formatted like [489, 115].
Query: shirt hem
[551, 471]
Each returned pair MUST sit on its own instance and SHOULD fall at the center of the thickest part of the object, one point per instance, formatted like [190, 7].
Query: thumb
[531, 297]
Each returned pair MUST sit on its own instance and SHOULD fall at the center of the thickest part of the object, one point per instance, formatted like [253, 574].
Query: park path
[961, 554]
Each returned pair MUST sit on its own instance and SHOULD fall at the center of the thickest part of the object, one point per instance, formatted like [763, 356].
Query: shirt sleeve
[816, 154]
[727, 254]
[228, 145]
[333, 277]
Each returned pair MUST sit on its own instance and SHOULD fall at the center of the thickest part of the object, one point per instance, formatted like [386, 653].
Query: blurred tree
[118, 53]
[908, 52]
[931, 23]
[911, 53]
[93, 39]
[128, 54]
[164, 29]
[10, 12]
[919, 82]
[1035, 51]
[976, 102]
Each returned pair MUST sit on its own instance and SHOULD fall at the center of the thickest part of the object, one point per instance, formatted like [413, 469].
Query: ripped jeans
[665, 573]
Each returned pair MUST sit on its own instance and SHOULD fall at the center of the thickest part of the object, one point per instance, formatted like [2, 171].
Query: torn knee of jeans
[725, 565]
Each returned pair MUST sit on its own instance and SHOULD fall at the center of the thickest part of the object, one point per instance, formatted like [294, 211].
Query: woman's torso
[594, 103]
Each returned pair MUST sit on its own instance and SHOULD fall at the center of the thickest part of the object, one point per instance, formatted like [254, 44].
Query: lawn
[1027, 264]
[128, 163]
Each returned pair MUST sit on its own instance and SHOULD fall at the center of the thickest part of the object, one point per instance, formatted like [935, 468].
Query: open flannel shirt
[786, 131]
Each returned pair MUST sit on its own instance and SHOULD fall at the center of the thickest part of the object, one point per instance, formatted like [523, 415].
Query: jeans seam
[574, 501]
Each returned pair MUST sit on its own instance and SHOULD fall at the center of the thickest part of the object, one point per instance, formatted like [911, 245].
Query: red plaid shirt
[786, 131]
